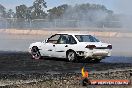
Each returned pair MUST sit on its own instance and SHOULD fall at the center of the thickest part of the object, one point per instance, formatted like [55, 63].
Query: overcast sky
[115, 5]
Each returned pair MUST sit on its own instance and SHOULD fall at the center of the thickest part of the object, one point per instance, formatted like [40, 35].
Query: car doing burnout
[72, 46]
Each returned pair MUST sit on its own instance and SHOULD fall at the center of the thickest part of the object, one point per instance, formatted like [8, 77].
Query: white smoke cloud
[124, 7]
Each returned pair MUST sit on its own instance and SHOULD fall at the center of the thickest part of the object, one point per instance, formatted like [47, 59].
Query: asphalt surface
[17, 68]
[21, 62]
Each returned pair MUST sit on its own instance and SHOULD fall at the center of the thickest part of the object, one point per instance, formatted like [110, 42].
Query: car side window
[71, 40]
[53, 39]
[63, 39]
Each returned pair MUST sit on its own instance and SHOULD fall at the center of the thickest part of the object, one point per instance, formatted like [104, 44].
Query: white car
[72, 46]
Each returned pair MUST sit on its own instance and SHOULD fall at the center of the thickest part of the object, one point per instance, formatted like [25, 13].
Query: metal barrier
[10, 23]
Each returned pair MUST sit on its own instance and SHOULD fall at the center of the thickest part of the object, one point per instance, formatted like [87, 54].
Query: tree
[2, 11]
[21, 11]
[57, 12]
[10, 14]
[33, 12]
[38, 9]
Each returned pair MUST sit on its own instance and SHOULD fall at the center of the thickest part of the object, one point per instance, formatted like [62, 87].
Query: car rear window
[86, 38]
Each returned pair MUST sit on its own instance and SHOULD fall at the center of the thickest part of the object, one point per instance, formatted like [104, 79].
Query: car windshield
[86, 38]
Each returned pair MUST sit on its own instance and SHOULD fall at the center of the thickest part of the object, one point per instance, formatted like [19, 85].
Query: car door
[64, 43]
[48, 49]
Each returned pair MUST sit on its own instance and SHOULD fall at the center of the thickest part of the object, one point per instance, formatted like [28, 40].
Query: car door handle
[53, 45]
[66, 46]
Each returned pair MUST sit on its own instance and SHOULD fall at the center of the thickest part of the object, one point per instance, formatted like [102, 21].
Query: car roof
[73, 33]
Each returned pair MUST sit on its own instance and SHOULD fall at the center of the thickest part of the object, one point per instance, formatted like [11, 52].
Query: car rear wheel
[71, 56]
[96, 60]
[35, 53]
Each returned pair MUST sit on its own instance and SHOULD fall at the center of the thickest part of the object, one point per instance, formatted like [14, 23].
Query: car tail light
[90, 46]
[109, 46]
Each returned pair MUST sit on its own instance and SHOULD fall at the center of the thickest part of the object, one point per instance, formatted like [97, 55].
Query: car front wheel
[71, 56]
[35, 53]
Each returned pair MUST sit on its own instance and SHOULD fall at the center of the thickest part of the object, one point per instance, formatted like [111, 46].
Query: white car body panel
[59, 50]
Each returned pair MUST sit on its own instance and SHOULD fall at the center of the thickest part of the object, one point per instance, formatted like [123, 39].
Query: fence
[43, 23]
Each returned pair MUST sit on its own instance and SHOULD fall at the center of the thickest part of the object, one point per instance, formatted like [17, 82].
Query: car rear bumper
[94, 53]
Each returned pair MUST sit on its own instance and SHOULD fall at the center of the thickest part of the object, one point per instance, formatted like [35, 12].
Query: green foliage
[57, 12]
[79, 15]
[38, 9]
[21, 11]
[78, 12]
[34, 12]
[2, 11]
[10, 14]
[88, 12]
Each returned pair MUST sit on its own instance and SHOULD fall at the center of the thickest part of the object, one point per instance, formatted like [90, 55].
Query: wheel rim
[71, 56]
[36, 54]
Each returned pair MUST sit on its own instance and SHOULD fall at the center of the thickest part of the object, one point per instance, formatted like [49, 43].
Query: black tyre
[71, 56]
[96, 60]
[35, 53]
